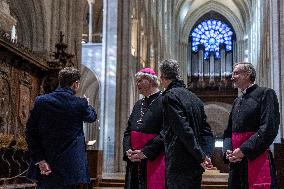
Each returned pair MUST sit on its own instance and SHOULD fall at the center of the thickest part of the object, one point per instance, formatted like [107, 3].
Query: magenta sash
[156, 168]
[258, 169]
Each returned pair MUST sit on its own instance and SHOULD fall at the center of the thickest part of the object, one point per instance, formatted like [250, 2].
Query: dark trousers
[238, 175]
[184, 182]
[54, 186]
[53, 182]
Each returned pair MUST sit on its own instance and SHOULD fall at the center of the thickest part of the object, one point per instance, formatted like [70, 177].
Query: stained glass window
[212, 33]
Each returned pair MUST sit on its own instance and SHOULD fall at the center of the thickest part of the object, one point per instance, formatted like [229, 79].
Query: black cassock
[146, 117]
[252, 127]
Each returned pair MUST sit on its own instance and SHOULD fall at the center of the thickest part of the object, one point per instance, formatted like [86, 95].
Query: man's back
[185, 126]
[61, 116]
[184, 122]
[55, 133]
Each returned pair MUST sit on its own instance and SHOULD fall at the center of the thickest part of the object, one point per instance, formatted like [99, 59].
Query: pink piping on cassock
[156, 168]
[258, 169]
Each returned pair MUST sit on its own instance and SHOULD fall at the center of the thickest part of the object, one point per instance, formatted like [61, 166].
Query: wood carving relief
[21, 74]
[5, 109]
[15, 97]
[24, 100]
[5, 97]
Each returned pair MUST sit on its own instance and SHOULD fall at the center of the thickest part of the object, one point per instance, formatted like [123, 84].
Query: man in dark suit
[55, 138]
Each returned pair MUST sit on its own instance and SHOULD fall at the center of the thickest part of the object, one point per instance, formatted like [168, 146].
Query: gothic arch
[192, 18]
[194, 14]
[90, 88]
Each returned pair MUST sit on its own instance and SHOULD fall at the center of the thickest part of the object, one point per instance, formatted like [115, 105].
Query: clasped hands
[44, 168]
[135, 155]
[234, 156]
[207, 164]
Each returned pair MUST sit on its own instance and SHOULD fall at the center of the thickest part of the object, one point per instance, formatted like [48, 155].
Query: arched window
[212, 33]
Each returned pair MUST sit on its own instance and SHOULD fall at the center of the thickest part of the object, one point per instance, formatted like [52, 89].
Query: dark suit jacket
[188, 137]
[54, 133]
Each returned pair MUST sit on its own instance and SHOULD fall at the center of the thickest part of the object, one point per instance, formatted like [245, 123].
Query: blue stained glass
[212, 41]
[212, 33]
[206, 55]
[217, 55]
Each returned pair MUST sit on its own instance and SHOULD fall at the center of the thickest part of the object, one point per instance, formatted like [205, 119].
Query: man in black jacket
[187, 136]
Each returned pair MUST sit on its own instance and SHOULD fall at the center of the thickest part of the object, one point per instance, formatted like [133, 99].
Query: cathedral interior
[109, 41]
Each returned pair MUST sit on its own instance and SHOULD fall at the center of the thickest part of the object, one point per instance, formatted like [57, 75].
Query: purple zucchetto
[147, 72]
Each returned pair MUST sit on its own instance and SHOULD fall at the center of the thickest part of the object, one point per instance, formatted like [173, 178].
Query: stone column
[189, 60]
[281, 51]
[107, 96]
[223, 61]
[184, 61]
[200, 62]
[275, 58]
[277, 77]
[235, 55]
[125, 85]
[212, 66]
[91, 3]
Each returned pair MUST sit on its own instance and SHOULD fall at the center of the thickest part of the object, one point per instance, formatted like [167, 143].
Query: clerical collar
[153, 94]
[245, 91]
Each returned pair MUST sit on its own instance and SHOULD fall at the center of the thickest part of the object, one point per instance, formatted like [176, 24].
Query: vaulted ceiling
[241, 8]
[188, 12]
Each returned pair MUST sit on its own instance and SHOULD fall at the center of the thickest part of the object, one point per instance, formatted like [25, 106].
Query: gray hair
[248, 68]
[153, 78]
[170, 69]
